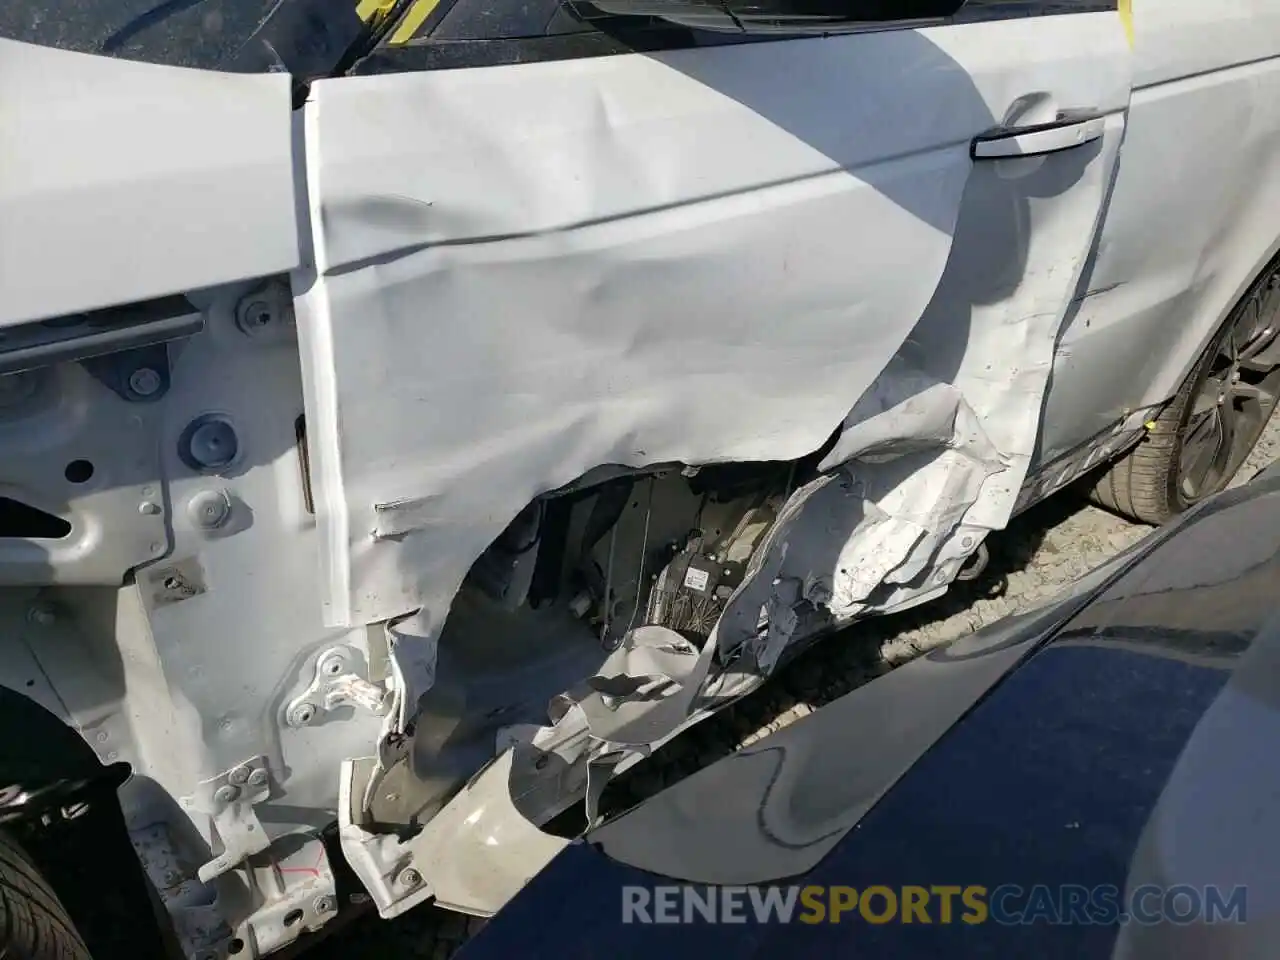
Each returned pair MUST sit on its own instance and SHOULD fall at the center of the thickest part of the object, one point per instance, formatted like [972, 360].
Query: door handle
[1033, 141]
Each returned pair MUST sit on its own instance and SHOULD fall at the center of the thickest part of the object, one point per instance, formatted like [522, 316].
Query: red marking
[314, 871]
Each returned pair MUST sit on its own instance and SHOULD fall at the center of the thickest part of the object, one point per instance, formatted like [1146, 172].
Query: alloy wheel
[1236, 398]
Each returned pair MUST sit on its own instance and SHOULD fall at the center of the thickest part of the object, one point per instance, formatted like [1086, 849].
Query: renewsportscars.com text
[1008, 904]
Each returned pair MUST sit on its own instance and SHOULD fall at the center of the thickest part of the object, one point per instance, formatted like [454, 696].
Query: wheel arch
[60, 802]
[1185, 360]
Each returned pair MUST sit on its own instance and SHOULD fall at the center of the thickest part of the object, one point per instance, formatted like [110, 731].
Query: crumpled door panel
[522, 273]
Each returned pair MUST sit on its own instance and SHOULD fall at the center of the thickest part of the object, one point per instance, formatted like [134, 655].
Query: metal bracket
[140, 375]
[300, 894]
[228, 799]
[337, 684]
[292, 887]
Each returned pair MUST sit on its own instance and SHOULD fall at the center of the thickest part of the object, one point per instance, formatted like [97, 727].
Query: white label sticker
[696, 579]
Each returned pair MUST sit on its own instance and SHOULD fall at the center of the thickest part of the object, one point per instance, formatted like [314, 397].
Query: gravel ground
[1041, 552]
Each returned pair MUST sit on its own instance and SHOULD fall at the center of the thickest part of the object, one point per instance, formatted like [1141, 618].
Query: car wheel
[1201, 438]
[33, 923]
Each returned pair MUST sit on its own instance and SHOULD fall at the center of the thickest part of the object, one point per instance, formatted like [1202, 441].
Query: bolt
[966, 542]
[332, 664]
[148, 509]
[409, 878]
[102, 736]
[239, 776]
[254, 315]
[323, 905]
[301, 714]
[258, 778]
[226, 793]
[145, 382]
[209, 509]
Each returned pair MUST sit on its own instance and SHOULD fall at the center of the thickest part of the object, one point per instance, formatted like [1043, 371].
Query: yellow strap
[413, 19]
[1126, 17]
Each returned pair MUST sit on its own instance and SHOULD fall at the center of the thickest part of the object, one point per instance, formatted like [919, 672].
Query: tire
[33, 923]
[1202, 437]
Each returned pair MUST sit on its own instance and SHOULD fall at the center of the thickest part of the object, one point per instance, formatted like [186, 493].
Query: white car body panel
[1192, 219]
[151, 180]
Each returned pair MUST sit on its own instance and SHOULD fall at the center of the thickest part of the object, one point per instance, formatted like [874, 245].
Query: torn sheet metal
[527, 272]
[923, 469]
[934, 454]
[979, 361]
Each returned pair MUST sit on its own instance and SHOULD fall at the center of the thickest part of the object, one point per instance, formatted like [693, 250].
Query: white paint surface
[1193, 217]
[122, 181]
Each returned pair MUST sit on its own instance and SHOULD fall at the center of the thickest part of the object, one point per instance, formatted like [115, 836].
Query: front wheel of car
[33, 923]
[1200, 440]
